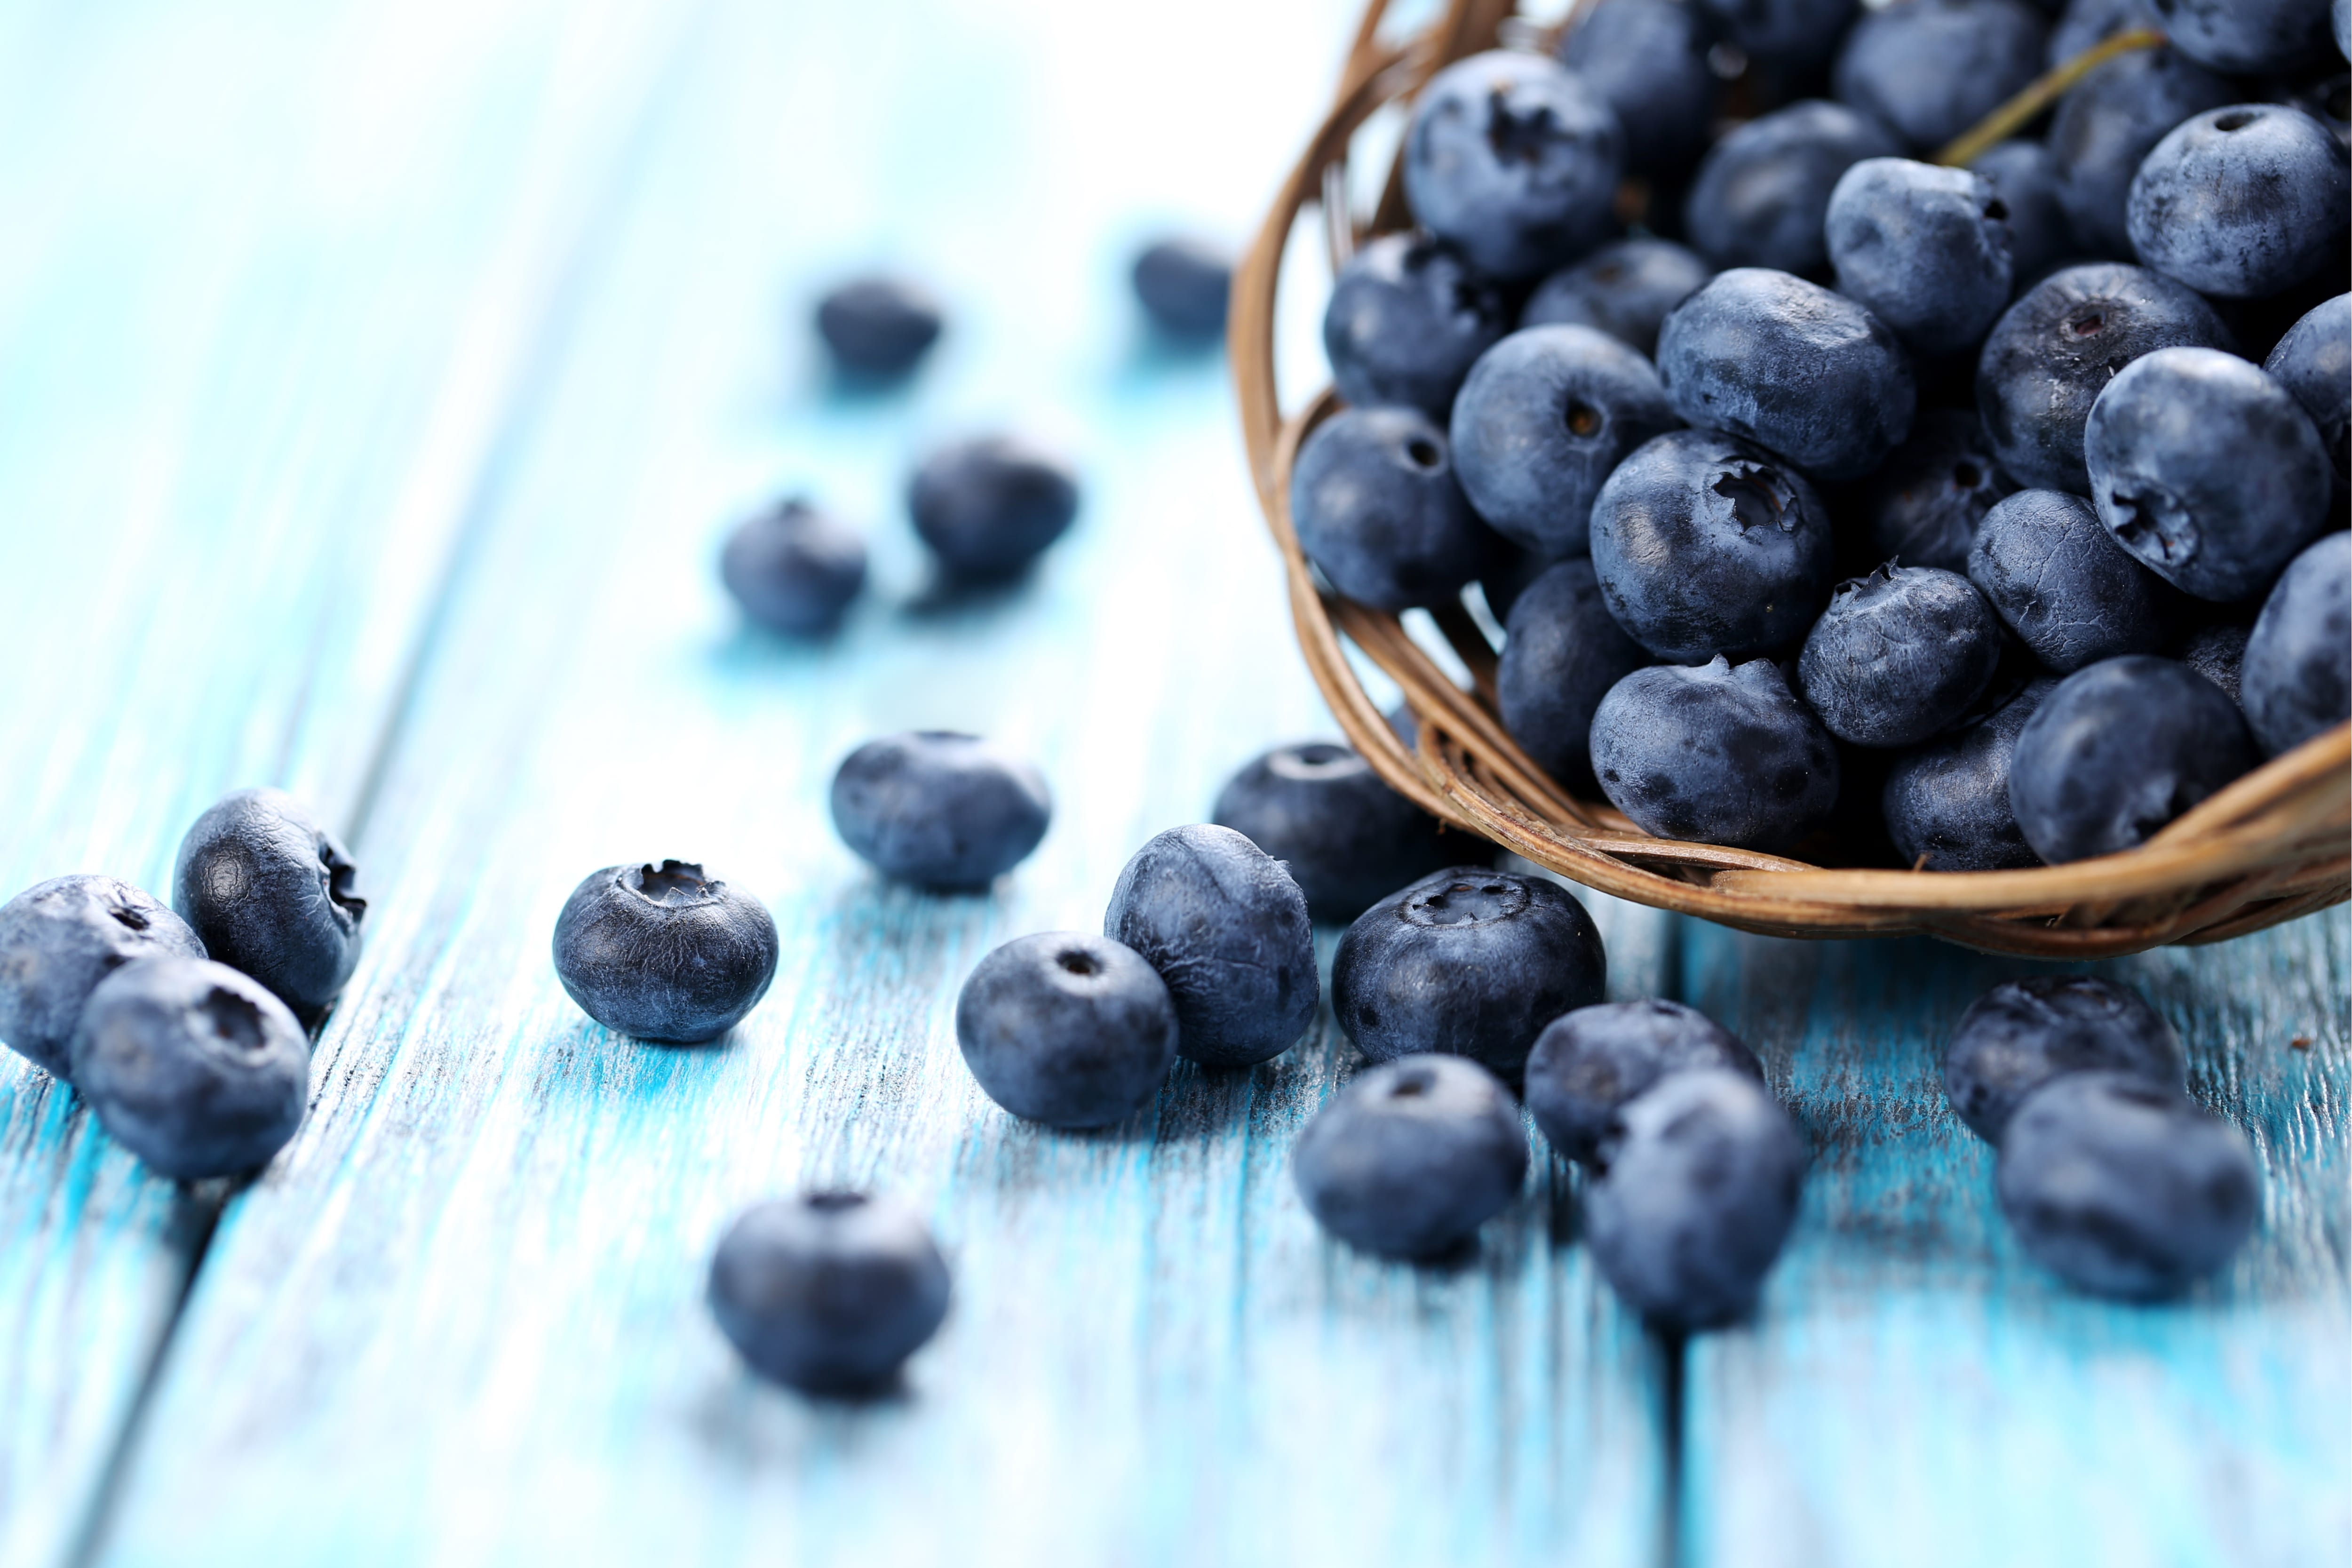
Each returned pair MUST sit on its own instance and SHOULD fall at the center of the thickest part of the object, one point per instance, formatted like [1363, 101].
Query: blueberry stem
[2041, 94]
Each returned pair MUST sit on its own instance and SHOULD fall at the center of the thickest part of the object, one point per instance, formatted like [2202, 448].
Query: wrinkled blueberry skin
[1697, 1187]
[2063, 584]
[2297, 681]
[2123, 1187]
[267, 890]
[1703, 545]
[829, 1292]
[1182, 284]
[2314, 361]
[1347, 839]
[1562, 654]
[2017, 1036]
[794, 568]
[1785, 32]
[2119, 750]
[1409, 1159]
[2243, 202]
[2218, 653]
[1946, 804]
[1545, 416]
[1514, 159]
[1408, 318]
[192, 1065]
[1469, 963]
[663, 953]
[2108, 126]
[1899, 654]
[2054, 351]
[1625, 290]
[940, 809]
[1926, 501]
[989, 506]
[1716, 755]
[59, 940]
[1788, 364]
[1647, 60]
[2245, 37]
[1926, 249]
[1227, 928]
[1932, 68]
[1376, 504]
[1067, 1028]
[2207, 470]
[1587, 1064]
[1762, 192]
[878, 328]
[2025, 177]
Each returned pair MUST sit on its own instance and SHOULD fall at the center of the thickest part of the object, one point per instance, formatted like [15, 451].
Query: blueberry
[1503, 583]
[268, 892]
[2056, 349]
[57, 940]
[1787, 364]
[1374, 500]
[1926, 249]
[2245, 37]
[2018, 1036]
[1785, 32]
[1544, 418]
[2063, 585]
[1347, 839]
[2117, 751]
[1625, 290]
[878, 328]
[1697, 1187]
[2243, 202]
[1562, 654]
[1924, 503]
[991, 505]
[2297, 678]
[1716, 755]
[1899, 654]
[1067, 1028]
[1946, 804]
[2107, 127]
[2126, 1188]
[1762, 192]
[2340, 17]
[1227, 928]
[793, 569]
[193, 1066]
[1470, 963]
[1704, 545]
[2207, 470]
[1409, 1159]
[2025, 177]
[1181, 283]
[829, 1292]
[2084, 24]
[2218, 653]
[1514, 159]
[1587, 1064]
[1647, 59]
[663, 953]
[940, 809]
[1408, 318]
[2314, 361]
[1932, 68]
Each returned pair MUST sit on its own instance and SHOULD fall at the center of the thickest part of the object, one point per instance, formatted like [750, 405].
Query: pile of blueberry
[1840, 502]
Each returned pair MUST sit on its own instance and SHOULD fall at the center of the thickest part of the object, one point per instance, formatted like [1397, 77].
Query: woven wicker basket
[2271, 846]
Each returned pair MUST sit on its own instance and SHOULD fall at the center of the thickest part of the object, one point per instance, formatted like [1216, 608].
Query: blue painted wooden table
[376, 383]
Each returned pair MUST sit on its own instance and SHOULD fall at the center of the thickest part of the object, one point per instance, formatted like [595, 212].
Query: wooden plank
[461, 1320]
[1916, 1391]
[275, 271]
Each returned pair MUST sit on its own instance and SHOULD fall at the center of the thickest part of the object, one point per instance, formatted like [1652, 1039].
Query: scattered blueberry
[828, 1292]
[2218, 652]
[1562, 654]
[2245, 37]
[1512, 157]
[57, 940]
[1716, 753]
[1469, 963]
[268, 892]
[1926, 501]
[1067, 1028]
[1795, 33]
[2064, 586]
[1926, 249]
[1762, 192]
[2314, 361]
[1625, 290]
[1182, 284]
[1409, 1159]
[1648, 60]
[2018, 1036]
[2024, 176]
[940, 809]
[1946, 804]
[2117, 751]
[1899, 654]
[2243, 202]
[1408, 318]
[1347, 839]
[793, 569]
[193, 1066]
[2124, 1187]
[1376, 505]
[991, 505]
[2108, 126]
[878, 328]
[1932, 68]
[1587, 1064]
[2297, 677]
[663, 953]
